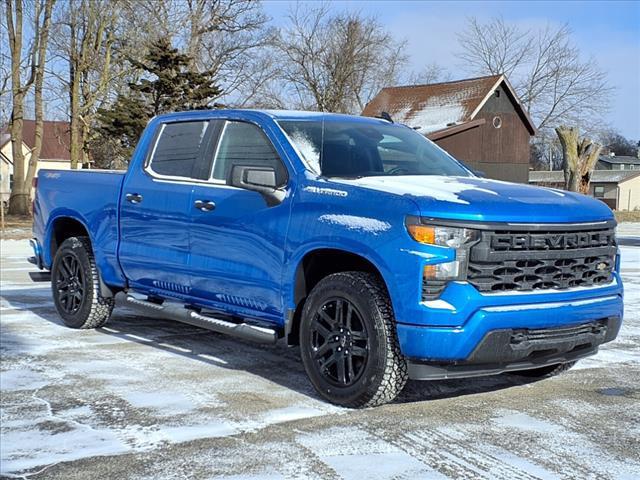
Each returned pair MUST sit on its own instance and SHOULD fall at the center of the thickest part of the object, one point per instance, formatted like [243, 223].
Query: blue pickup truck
[358, 239]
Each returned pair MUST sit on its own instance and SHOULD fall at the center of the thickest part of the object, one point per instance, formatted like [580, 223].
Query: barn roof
[437, 106]
[597, 176]
[56, 139]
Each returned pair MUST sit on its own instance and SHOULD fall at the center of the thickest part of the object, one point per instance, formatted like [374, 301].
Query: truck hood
[481, 199]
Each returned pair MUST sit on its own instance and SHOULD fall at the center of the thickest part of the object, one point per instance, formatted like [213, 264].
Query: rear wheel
[348, 341]
[76, 286]
[545, 372]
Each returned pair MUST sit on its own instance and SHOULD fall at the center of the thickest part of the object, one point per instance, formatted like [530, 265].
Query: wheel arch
[62, 227]
[314, 264]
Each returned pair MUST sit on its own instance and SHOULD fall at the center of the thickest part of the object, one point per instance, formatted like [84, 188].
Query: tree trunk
[579, 158]
[18, 204]
[39, 80]
[569, 140]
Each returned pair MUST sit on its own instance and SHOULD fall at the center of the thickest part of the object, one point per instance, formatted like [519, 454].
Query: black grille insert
[507, 260]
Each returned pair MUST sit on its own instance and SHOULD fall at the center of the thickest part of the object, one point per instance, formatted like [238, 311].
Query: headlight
[458, 238]
[452, 237]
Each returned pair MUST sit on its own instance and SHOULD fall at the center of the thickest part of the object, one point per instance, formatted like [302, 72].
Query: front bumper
[522, 349]
[482, 343]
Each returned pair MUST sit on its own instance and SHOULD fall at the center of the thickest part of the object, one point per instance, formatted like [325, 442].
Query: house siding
[629, 194]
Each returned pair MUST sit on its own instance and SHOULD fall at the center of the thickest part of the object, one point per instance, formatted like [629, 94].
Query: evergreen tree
[167, 85]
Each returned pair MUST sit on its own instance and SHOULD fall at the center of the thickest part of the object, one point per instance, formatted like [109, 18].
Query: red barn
[478, 120]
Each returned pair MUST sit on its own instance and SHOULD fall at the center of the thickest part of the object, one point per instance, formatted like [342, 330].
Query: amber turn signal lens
[429, 272]
[422, 233]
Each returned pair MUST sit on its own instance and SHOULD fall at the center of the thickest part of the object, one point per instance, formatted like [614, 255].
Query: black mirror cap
[258, 179]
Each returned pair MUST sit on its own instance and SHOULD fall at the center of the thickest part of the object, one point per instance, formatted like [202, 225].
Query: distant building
[478, 120]
[55, 152]
[614, 162]
[619, 189]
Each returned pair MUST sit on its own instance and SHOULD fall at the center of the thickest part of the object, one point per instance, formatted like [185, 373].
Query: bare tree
[580, 156]
[21, 191]
[337, 62]
[229, 39]
[555, 84]
[85, 38]
[430, 73]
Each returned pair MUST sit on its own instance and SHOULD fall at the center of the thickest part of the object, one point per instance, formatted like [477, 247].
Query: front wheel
[348, 341]
[76, 286]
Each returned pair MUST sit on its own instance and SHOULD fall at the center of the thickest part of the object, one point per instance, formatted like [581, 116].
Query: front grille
[524, 261]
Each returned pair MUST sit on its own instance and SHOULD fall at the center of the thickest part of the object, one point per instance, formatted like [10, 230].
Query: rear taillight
[34, 182]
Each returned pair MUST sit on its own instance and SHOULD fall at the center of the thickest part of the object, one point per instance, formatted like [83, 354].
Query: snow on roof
[432, 107]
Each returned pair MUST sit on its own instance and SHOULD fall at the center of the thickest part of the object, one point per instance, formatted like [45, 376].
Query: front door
[237, 240]
[156, 210]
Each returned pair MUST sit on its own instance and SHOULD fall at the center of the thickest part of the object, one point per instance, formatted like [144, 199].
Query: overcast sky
[607, 30]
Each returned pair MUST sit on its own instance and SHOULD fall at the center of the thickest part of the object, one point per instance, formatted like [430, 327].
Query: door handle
[204, 206]
[133, 197]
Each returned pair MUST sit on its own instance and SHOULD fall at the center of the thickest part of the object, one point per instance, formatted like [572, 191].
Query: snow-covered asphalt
[151, 399]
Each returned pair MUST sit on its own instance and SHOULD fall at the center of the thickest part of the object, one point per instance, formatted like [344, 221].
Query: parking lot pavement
[150, 399]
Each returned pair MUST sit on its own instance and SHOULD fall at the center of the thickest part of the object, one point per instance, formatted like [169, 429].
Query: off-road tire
[545, 372]
[384, 373]
[94, 310]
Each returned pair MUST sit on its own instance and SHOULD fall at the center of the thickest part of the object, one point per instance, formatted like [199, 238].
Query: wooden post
[1, 212]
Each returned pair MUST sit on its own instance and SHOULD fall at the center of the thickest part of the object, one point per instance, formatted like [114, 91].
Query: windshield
[343, 148]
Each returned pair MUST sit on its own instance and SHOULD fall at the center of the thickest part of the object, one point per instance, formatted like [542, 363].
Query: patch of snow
[289, 414]
[307, 150]
[380, 466]
[441, 304]
[23, 379]
[522, 421]
[436, 187]
[162, 401]
[185, 433]
[524, 465]
[30, 448]
[352, 222]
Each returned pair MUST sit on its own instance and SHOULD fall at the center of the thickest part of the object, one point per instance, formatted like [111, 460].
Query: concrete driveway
[150, 399]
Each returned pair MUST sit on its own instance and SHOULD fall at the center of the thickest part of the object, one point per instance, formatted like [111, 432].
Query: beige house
[55, 151]
[620, 189]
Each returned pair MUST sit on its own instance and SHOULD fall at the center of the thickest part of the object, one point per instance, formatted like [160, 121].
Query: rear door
[156, 209]
[238, 240]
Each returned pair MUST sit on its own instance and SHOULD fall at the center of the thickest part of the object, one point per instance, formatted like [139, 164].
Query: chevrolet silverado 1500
[357, 239]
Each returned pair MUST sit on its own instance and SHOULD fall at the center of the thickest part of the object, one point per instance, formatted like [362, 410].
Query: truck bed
[89, 196]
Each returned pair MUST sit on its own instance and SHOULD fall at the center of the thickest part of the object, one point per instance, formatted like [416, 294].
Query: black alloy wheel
[75, 285]
[339, 340]
[71, 283]
[348, 341]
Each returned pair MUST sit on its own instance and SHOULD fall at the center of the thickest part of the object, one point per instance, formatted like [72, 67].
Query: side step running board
[179, 313]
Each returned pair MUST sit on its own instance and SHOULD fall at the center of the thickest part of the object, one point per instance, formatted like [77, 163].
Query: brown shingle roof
[436, 106]
[55, 139]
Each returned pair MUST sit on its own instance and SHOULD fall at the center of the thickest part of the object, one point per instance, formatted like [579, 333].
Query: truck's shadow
[276, 363]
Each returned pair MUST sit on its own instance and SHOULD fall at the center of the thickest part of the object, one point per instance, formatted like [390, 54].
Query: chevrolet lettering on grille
[550, 241]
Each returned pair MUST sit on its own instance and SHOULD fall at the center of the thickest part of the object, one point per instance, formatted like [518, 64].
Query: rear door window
[178, 148]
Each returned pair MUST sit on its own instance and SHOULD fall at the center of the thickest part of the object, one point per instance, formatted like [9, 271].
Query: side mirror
[258, 179]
